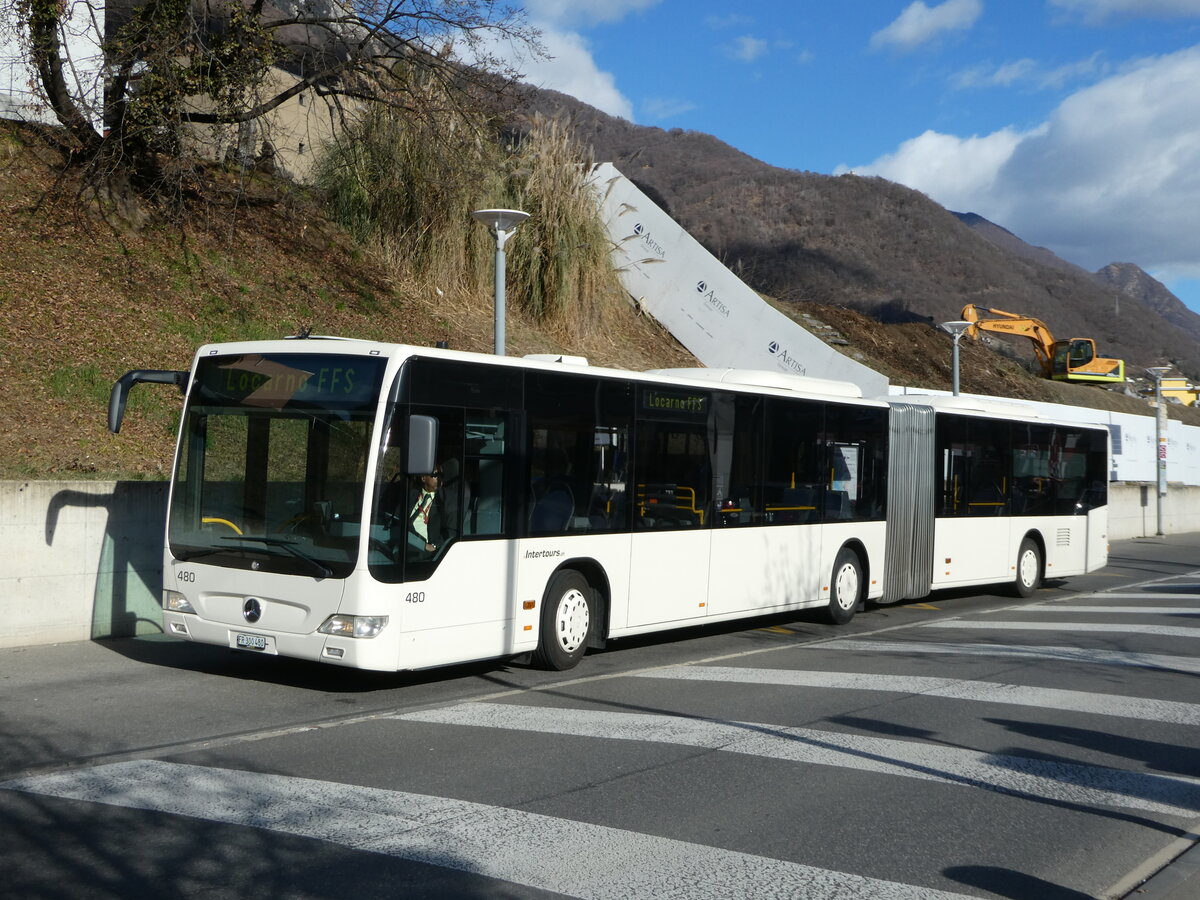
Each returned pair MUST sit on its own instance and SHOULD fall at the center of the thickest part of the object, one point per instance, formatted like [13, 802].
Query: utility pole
[1160, 433]
[956, 330]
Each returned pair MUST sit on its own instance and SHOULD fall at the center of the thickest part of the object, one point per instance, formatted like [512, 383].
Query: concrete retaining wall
[80, 560]
[1133, 510]
[83, 560]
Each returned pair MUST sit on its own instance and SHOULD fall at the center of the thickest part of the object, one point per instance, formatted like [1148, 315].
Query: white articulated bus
[578, 504]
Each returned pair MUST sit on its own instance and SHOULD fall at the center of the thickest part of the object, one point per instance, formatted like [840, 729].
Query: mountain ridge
[872, 245]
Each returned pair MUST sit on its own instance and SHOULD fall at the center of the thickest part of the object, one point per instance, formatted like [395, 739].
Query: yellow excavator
[1068, 360]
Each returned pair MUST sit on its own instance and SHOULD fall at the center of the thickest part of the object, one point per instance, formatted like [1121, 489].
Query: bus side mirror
[422, 444]
[120, 390]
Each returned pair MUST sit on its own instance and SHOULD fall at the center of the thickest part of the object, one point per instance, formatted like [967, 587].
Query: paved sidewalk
[1180, 880]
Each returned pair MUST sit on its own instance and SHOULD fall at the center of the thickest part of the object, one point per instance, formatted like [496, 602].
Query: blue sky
[1073, 123]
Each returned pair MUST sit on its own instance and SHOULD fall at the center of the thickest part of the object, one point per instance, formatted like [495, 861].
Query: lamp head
[955, 328]
[500, 219]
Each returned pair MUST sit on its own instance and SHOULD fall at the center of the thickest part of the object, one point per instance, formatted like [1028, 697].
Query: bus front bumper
[376, 653]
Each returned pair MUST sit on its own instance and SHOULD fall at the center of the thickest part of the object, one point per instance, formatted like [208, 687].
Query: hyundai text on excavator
[1067, 360]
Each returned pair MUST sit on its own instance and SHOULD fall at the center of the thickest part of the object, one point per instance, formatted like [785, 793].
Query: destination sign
[273, 381]
[675, 404]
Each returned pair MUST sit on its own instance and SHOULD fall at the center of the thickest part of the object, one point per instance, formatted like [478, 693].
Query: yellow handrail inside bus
[216, 520]
[684, 500]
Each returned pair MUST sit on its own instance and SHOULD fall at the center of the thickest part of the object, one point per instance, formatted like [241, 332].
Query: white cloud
[572, 70]
[659, 108]
[954, 171]
[746, 48]
[1113, 174]
[1028, 73]
[564, 13]
[987, 75]
[733, 20]
[1096, 11]
[919, 24]
[568, 65]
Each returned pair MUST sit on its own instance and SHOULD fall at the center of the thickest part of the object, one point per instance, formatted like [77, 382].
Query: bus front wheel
[845, 587]
[1029, 569]
[566, 621]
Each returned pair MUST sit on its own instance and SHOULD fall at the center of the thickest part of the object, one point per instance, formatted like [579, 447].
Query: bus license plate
[252, 641]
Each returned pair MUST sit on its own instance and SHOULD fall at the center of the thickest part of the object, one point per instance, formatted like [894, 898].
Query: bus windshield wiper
[286, 545]
[198, 554]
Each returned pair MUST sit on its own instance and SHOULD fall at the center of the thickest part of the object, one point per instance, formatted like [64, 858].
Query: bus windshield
[272, 462]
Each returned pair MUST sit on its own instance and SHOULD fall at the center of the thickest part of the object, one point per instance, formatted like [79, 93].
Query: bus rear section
[1006, 500]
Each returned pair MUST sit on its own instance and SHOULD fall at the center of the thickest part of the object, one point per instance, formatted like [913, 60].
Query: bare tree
[170, 68]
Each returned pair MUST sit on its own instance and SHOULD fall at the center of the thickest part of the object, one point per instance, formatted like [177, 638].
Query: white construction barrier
[1135, 442]
[709, 310]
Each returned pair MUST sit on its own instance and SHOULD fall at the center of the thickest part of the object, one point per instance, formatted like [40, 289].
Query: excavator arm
[1010, 323]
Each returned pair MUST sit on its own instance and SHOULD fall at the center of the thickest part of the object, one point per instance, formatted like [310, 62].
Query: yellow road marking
[923, 606]
[777, 629]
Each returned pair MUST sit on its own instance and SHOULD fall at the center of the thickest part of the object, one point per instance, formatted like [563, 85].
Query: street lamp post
[502, 223]
[1160, 434]
[956, 330]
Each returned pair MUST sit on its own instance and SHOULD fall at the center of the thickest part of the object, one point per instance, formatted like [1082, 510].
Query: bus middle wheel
[845, 587]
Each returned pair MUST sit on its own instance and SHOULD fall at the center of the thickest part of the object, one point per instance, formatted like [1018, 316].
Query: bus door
[445, 541]
[767, 495]
[672, 484]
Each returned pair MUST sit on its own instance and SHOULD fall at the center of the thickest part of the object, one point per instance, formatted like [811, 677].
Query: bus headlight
[173, 601]
[354, 626]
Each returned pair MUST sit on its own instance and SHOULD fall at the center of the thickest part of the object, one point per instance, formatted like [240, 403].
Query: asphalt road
[968, 745]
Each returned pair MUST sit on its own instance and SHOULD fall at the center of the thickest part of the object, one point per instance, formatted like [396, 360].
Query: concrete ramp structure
[708, 309]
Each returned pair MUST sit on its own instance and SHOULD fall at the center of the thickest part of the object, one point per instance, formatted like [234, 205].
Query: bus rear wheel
[566, 622]
[845, 587]
[1029, 569]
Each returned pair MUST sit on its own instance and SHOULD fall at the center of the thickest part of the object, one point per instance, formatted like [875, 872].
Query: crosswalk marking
[1044, 779]
[992, 625]
[1192, 594]
[1122, 610]
[1168, 711]
[1183, 664]
[573, 858]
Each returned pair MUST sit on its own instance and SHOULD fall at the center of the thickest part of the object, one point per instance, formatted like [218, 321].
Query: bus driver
[425, 514]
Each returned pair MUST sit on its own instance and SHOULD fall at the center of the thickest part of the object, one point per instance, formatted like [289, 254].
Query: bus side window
[484, 468]
[737, 490]
[793, 479]
[673, 476]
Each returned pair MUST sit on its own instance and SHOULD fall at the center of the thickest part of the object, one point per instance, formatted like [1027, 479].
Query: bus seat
[553, 511]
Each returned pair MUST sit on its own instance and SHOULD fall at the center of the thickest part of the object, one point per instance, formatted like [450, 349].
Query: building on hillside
[1180, 390]
[284, 140]
[20, 96]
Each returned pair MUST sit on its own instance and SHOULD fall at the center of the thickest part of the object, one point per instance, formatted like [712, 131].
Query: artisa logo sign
[786, 358]
[711, 300]
[648, 242]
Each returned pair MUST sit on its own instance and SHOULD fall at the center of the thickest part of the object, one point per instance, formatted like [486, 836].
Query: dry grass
[406, 188]
[561, 269]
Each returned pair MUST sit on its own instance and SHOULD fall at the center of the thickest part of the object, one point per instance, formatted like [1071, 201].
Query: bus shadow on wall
[113, 540]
